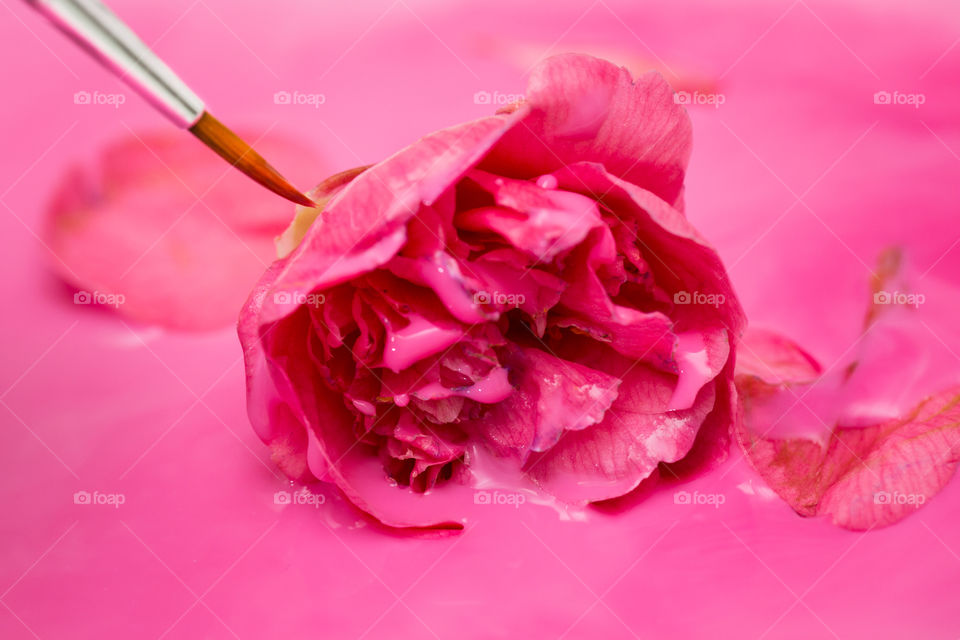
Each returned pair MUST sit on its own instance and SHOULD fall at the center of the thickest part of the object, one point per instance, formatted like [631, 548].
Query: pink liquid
[89, 407]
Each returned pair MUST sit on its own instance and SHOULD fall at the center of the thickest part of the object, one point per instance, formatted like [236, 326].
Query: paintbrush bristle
[231, 148]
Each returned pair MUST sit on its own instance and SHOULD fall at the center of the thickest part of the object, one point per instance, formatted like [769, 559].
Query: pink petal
[510, 279]
[364, 225]
[700, 357]
[544, 222]
[586, 306]
[415, 324]
[611, 458]
[903, 358]
[847, 444]
[869, 477]
[554, 396]
[304, 217]
[678, 257]
[586, 109]
[300, 418]
[712, 443]
[441, 273]
[135, 227]
[774, 359]
[676, 252]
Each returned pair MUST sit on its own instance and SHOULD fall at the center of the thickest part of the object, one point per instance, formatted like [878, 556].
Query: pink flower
[515, 297]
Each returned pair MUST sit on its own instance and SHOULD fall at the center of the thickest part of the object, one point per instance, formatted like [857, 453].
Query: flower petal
[363, 226]
[848, 444]
[140, 228]
[637, 433]
[553, 396]
[774, 359]
[304, 217]
[544, 222]
[586, 109]
[867, 477]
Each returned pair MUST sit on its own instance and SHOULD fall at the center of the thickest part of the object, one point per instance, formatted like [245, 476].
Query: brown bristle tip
[234, 150]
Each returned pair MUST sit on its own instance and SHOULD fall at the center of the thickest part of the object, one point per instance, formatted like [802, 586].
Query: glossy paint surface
[798, 177]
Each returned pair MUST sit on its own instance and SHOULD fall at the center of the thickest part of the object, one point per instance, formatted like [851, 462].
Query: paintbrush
[103, 35]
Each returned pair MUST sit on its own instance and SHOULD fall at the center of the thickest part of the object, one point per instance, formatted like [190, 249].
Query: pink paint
[694, 370]
[490, 389]
[444, 276]
[494, 388]
[365, 407]
[415, 341]
[547, 182]
[200, 515]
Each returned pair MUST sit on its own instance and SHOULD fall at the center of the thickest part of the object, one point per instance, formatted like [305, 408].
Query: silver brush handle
[105, 36]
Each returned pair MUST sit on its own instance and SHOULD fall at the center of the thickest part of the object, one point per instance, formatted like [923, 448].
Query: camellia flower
[518, 299]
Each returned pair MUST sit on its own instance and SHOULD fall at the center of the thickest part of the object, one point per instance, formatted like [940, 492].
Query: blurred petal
[171, 227]
[774, 359]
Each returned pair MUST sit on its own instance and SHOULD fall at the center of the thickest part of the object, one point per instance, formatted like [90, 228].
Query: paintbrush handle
[105, 36]
[98, 30]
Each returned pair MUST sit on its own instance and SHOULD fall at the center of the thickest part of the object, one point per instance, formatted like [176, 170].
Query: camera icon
[881, 297]
[281, 97]
[481, 297]
[681, 297]
[282, 297]
[281, 497]
[81, 497]
[82, 297]
[881, 97]
[682, 97]
[481, 497]
[482, 97]
[881, 497]
[81, 97]
[681, 497]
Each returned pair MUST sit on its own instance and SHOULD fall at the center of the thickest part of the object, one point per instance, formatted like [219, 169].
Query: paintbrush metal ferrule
[103, 35]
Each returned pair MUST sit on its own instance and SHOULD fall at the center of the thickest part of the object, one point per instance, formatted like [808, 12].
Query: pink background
[799, 178]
